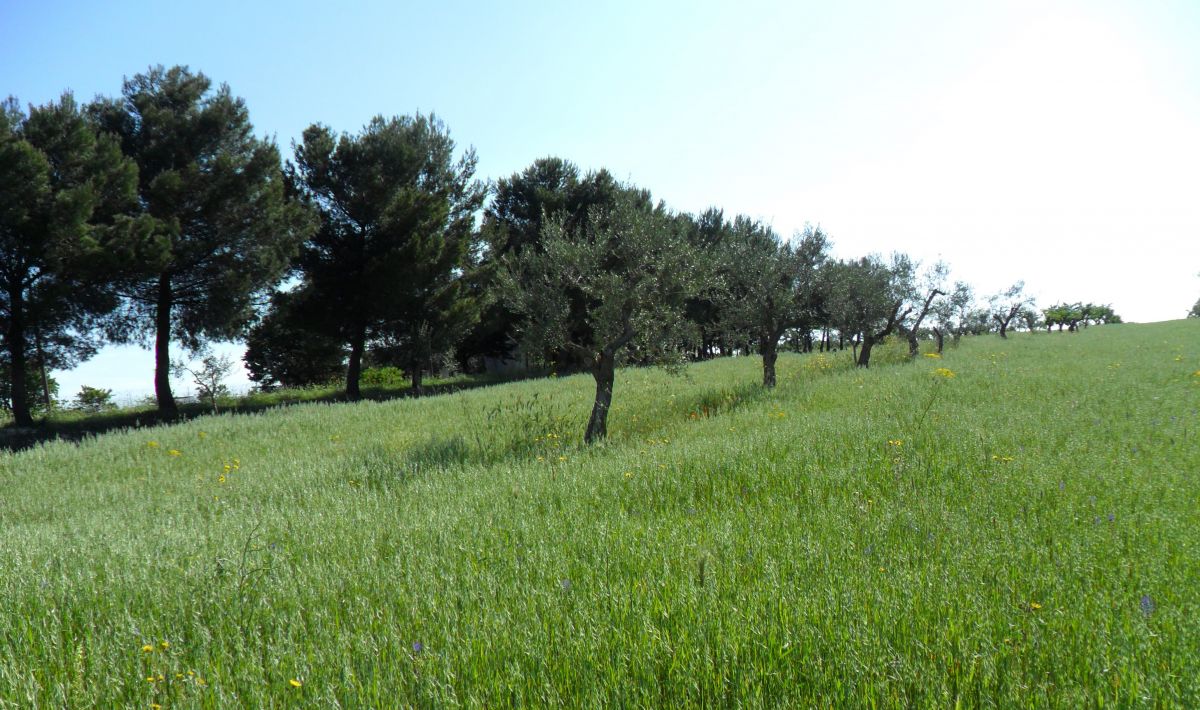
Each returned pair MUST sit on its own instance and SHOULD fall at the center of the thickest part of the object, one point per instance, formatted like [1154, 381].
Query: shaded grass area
[66, 425]
[1019, 534]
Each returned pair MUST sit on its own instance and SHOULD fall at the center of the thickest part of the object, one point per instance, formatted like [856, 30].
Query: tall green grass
[1022, 533]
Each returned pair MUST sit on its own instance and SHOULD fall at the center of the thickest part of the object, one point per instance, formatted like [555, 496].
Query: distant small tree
[613, 289]
[1055, 315]
[1102, 314]
[1007, 304]
[93, 400]
[867, 299]
[710, 233]
[209, 377]
[1029, 318]
[931, 287]
[951, 315]
[1195, 312]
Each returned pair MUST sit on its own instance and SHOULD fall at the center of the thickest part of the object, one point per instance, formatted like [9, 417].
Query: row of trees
[157, 217]
[1073, 316]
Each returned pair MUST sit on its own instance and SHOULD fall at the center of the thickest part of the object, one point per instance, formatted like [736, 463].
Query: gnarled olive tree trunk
[604, 371]
[870, 339]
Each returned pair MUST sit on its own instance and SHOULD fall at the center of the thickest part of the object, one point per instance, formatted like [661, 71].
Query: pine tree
[62, 189]
[387, 265]
[214, 194]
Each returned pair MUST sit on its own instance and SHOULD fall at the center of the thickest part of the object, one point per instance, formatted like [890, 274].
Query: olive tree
[932, 283]
[770, 285]
[867, 298]
[1007, 304]
[952, 314]
[610, 290]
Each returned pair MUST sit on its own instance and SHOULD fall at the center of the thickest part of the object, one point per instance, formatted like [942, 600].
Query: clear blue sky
[1051, 141]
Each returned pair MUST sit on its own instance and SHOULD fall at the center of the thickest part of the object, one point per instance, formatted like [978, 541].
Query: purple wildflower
[1147, 605]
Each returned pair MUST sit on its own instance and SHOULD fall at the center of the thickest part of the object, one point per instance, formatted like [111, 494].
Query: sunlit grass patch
[1021, 533]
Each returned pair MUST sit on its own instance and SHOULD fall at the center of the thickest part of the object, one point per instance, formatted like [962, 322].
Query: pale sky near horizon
[1050, 141]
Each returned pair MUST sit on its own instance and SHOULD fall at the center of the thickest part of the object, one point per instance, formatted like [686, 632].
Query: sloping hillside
[1014, 523]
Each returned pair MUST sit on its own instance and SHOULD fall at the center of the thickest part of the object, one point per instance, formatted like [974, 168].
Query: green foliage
[222, 230]
[61, 189]
[618, 283]
[1075, 315]
[283, 350]
[548, 188]
[41, 395]
[1007, 304]
[865, 298]
[771, 282]
[1024, 543]
[770, 286]
[951, 315]
[93, 400]
[1195, 312]
[388, 264]
[383, 376]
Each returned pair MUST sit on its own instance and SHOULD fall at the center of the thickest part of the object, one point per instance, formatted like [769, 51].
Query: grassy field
[1021, 528]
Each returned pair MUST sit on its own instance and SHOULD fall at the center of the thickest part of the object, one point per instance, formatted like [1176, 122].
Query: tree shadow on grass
[13, 438]
[531, 429]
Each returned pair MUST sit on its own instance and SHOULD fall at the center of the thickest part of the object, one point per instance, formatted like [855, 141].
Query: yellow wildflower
[221, 479]
[896, 442]
[933, 356]
[174, 452]
[165, 644]
[1034, 606]
[295, 683]
[148, 648]
[944, 372]
[151, 444]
